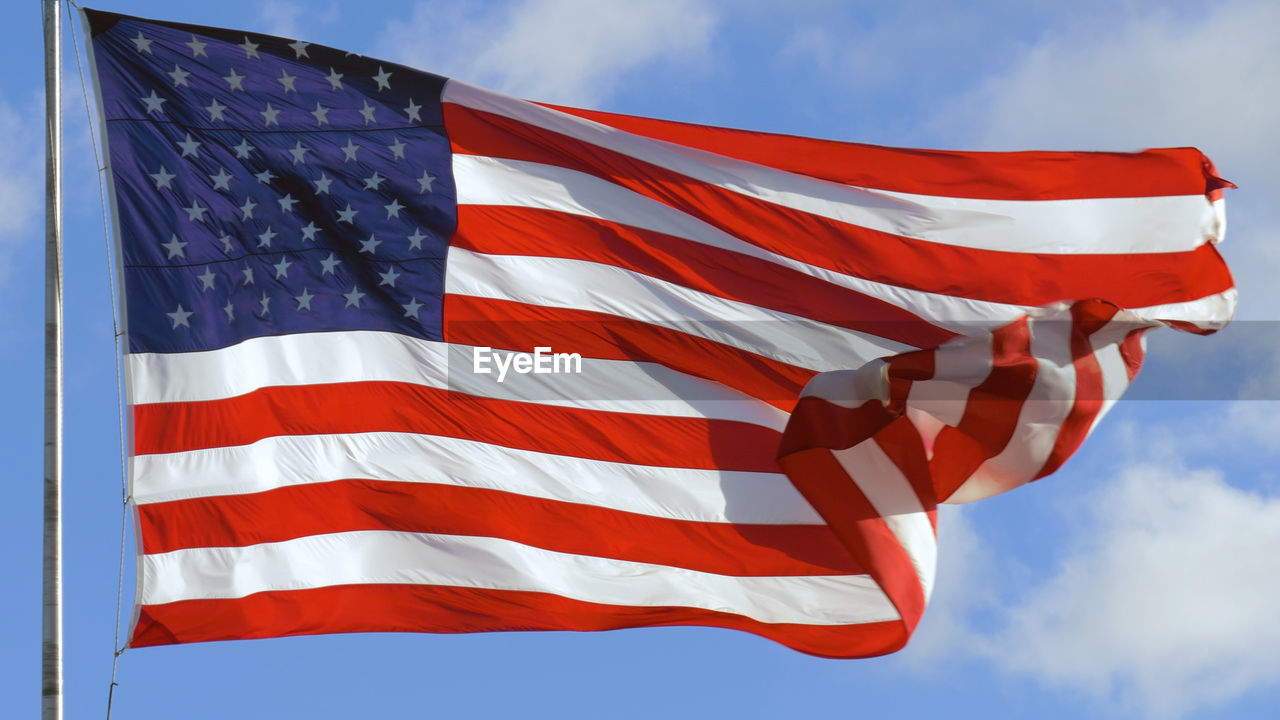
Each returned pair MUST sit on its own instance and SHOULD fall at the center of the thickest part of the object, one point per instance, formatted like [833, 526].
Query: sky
[1139, 581]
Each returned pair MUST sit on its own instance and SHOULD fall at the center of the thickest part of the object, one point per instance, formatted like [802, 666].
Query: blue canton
[264, 186]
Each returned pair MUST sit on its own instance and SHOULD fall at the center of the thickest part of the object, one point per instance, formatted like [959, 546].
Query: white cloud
[571, 51]
[281, 18]
[21, 179]
[1138, 80]
[291, 20]
[1168, 601]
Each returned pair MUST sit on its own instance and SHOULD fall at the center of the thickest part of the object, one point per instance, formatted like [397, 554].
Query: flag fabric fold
[404, 354]
[877, 448]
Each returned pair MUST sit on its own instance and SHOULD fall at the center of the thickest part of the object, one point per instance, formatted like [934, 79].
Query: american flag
[791, 350]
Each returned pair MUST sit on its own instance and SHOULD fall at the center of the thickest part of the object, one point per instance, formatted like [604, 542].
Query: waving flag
[408, 355]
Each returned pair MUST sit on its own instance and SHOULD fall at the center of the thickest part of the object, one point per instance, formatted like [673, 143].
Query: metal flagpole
[51, 642]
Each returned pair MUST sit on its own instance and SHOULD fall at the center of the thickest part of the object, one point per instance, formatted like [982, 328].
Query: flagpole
[51, 642]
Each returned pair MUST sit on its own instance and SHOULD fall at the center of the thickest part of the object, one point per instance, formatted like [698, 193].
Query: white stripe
[493, 563]
[515, 183]
[1040, 419]
[959, 367]
[368, 356]
[1106, 348]
[1211, 312]
[677, 493]
[890, 493]
[1115, 379]
[595, 287]
[851, 388]
[1092, 225]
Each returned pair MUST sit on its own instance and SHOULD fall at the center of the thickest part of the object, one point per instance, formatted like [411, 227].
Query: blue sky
[1140, 581]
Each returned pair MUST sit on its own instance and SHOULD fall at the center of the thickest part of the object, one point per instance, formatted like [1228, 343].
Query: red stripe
[1131, 280]
[991, 411]
[1132, 353]
[353, 505]
[1034, 175]
[402, 407]
[827, 486]
[436, 609]
[522, 326]
[1086, 319]
[501, 230]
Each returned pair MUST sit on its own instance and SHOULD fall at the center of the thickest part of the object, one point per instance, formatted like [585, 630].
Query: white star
[243, 149]
[382, 79]
[230, 310]
[206, 280]
[197, 47]
[309, 232]
[373, 181]
[415, 240]
[297, 152]
[153, 102]
[300, 48]
[329, 264]
[424, 182]
[304, 300]
[335, 79]
[321, 114]
[412, 111]
[269, 116]
[222, 180]
[393, 210]
[176, 247]
[282, 268]
[250, 48]
[349, 150]
[189, 146]
[265, 237]
[179, 76]
[389, 277]
[411, 310]
[348, 215]
[179, 316]
[215, 109]
[286, 80]
[234, 80]
[246, 209]
[226, 243]
[248, 274]
[397, 150]
[287, 202]
[196, 211]
[163, 178]
[265, 177]
[322, 185]
[142, 43]
[371, 245]
[353, 297]
[265, 302]
[367, 112]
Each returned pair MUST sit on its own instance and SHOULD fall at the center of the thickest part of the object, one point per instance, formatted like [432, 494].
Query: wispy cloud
[1138, 79]
[1167, 600]
[571, 51]
[294, 20]
[21, 178]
